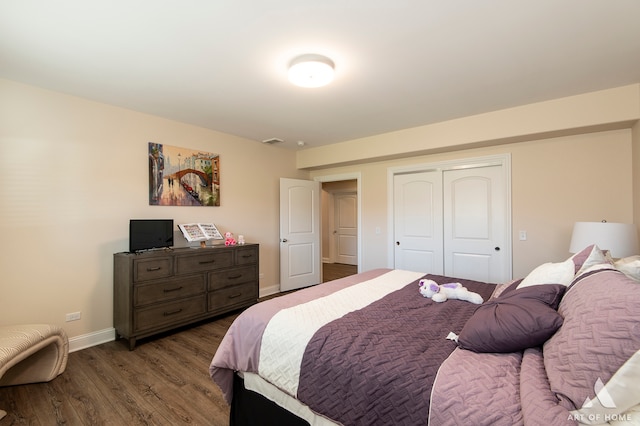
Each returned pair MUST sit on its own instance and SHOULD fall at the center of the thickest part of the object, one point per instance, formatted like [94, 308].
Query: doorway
[301, 227]
[340, 224]
[339, 204]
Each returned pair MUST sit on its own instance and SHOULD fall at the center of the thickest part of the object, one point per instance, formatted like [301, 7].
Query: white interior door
[299, 233]
[417, 203]
[346, 228]
[475, 217]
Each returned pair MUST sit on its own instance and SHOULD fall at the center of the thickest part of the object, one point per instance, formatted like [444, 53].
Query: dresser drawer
[166, 290]
[210, 259]
[247, 255]
[243, 294]
[168, 313]
[149, 269]
[229, 277]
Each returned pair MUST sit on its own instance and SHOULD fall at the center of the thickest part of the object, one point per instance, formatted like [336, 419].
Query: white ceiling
[221, 64]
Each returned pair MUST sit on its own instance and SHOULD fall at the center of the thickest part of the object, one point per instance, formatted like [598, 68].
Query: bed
[559, 347]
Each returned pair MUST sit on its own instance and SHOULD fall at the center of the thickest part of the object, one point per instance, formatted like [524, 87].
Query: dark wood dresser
[160, 290]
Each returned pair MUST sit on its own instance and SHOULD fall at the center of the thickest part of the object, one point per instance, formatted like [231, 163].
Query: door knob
[497, 248]
[284, 240]
[397, 243]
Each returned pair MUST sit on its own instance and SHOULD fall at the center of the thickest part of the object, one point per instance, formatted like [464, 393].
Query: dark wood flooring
[333, 271]
[164, 381]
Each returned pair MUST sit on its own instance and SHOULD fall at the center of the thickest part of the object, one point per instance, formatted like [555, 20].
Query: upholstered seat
[31, 353]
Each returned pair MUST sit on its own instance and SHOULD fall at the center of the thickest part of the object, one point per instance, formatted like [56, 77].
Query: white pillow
[630, 266]
[551, 273]
[595, 257]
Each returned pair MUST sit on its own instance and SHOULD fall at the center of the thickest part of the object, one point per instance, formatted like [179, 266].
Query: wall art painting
[183, 177]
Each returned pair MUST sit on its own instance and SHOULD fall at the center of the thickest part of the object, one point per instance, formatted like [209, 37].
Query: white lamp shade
[621, 239]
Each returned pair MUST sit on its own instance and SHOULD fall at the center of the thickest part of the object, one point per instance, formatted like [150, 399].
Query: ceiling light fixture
[311, 71]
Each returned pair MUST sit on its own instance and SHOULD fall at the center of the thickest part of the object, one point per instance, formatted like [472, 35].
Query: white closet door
[475, 218]
[418, 222]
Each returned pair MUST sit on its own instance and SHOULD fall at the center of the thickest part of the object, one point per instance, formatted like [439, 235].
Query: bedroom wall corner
[74, 172]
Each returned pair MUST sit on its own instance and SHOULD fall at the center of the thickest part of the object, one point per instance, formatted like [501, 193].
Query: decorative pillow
[630, 266]
[505, 288]
[601, 331]
[587, 258]
[564, 272]
[550, 273]
[517, 320]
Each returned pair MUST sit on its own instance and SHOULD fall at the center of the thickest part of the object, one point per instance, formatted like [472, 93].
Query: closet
[454, 219]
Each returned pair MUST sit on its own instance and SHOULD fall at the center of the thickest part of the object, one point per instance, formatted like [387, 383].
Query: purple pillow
[512, 322]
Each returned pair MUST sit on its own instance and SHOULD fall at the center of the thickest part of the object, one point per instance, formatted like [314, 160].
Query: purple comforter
[373, 365]
[377, 365]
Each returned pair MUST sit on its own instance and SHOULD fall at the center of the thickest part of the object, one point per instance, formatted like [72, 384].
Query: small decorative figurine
[228, 239]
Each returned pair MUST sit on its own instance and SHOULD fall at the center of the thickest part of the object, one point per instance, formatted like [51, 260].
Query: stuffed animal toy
[228, 239]
[442, 292]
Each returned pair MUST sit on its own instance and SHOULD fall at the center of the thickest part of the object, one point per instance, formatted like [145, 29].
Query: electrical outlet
[73, 316]
[523, 235]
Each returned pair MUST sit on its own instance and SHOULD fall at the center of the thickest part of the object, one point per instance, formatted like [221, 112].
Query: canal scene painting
[183, 177]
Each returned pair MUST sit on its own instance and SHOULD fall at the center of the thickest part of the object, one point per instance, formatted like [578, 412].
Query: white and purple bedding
[369, 349]
[372, 339]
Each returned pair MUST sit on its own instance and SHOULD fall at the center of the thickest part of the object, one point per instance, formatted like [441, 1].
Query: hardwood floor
[164, 381]
[333, 271]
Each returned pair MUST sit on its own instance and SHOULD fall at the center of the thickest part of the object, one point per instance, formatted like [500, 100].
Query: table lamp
[619, 239]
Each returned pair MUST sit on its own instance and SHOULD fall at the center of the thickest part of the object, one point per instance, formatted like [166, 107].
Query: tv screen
[147, 234]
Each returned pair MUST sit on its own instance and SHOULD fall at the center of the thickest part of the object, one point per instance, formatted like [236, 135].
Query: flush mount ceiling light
[311, 71]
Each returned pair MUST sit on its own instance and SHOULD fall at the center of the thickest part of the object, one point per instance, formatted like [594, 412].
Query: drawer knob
[233, 296]
[169, 290]
[157, 268]
[235, 277]
[206, 262]
[177, 311]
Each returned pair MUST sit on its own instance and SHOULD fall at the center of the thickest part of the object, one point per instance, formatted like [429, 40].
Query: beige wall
[572, 160]
[596, 111]
[555, 182]
[72, 174]
[635, 135]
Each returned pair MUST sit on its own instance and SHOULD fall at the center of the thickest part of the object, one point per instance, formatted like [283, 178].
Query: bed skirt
[249, 408]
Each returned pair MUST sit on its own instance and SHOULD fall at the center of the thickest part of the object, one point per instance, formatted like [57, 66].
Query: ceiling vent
[272, 141]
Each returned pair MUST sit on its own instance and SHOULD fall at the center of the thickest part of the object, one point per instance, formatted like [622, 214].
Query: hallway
[333, 271]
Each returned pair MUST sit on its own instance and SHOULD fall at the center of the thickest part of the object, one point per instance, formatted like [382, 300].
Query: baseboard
[92, 339]
[269, 290]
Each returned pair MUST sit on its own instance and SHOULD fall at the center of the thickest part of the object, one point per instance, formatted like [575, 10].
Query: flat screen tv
[147, 234]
